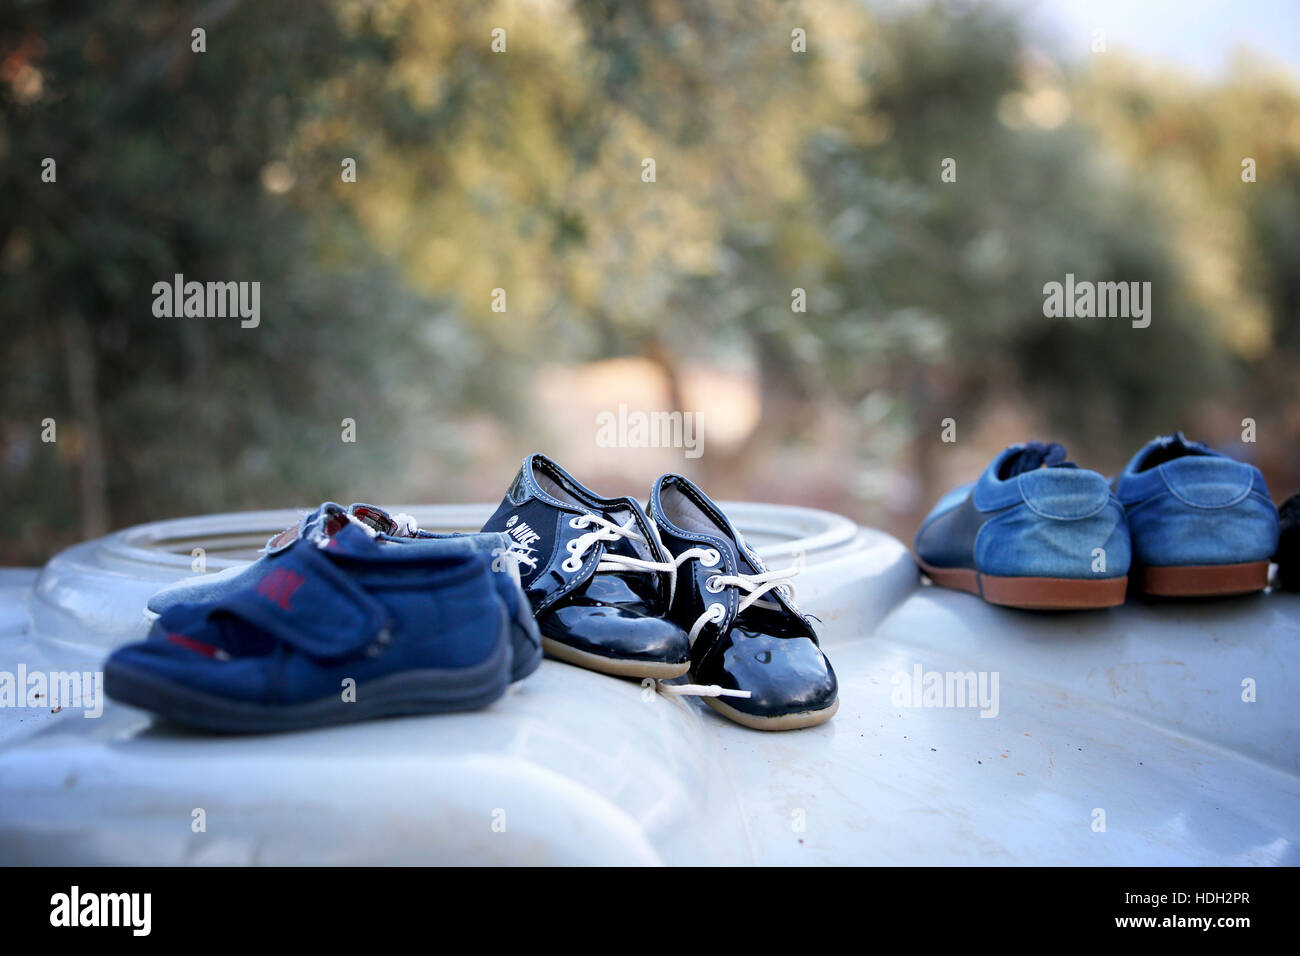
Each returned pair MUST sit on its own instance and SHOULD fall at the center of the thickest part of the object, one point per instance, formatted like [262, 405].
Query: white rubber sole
[807, 718]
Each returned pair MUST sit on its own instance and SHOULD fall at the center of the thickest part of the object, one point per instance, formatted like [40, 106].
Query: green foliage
[476, 170]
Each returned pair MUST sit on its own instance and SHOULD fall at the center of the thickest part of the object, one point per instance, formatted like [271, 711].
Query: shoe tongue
[1166, 448]
[1178, 442]
[751, 563]
[1036, 455]
[619, 514]
[747, 557]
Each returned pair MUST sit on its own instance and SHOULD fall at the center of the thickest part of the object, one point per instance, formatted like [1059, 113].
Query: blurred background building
[501, 273]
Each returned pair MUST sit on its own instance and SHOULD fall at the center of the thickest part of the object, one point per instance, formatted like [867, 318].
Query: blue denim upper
[333, 603]
[211, 587]
[1030, 514]
[1190, 505]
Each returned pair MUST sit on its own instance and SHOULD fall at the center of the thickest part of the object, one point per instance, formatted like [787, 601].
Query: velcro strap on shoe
[302, 599]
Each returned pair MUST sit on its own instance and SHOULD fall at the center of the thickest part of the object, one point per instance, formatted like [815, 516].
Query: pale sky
[1198, 34]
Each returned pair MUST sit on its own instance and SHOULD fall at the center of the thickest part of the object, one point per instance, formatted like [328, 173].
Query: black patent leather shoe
[754, 657]
[595, 574]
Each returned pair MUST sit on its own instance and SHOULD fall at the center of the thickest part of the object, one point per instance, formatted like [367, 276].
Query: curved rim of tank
[775, 531]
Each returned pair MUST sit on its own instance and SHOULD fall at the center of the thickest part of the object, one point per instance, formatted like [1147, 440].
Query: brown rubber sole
[1034, 594]
[1202, 580]
[807, 718]
[608, 665]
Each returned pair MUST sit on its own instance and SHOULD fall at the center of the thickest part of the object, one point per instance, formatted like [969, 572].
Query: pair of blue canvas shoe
[1037, 531]
[349, 615]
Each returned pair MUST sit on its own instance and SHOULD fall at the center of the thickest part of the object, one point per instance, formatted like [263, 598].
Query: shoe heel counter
[1211, 482]
[1064, 494]
[1217, 511]
[1069, 526]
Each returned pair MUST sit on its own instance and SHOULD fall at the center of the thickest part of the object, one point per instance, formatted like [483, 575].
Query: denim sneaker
[749, 642]
[331, 627]
[1035, 531]
[595, 575]
[397, 529]
[1203, 524]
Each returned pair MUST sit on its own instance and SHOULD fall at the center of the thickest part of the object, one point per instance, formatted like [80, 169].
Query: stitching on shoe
[1250, 486]
[1054, 517]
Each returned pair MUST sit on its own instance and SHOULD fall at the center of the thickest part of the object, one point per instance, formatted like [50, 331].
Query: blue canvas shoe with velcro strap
[203, 587]
[1035, 531]
[1203, 524]
[331, 627]
[386, 528]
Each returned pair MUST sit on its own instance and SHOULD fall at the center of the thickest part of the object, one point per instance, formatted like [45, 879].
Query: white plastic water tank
[1110, 737]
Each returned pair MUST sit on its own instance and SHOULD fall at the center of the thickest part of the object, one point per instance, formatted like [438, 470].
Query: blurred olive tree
[657, 179]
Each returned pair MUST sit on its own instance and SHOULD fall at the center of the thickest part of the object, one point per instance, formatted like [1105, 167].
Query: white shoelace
[607, 530]
[755, 584]
[701, 690]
